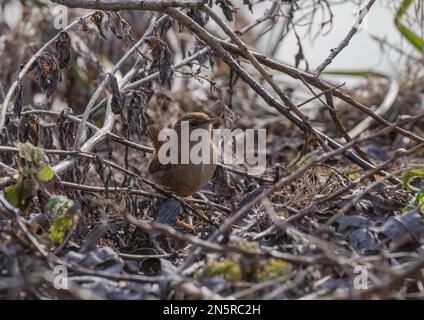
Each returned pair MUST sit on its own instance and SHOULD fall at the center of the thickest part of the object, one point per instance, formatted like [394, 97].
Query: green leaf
[13, 194]
[403, 8]
[59, 226]
[228, 268]
[30, 153]
[420, 201]
[63, 219]
[56, 235]
[407, 176]
[46, 173]
[414, 39]
[274, 268]
[59, 205]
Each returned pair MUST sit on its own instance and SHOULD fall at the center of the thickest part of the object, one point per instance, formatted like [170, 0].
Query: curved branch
[104, 83]
[216, 45]
[64, 166]
[116, 5]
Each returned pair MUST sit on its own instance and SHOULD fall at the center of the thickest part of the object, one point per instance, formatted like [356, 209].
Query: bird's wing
[156, 166]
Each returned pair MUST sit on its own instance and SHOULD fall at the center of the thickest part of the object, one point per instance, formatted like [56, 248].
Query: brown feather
[182, 179]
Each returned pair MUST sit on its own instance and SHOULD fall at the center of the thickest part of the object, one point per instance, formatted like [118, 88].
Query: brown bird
[184, 179]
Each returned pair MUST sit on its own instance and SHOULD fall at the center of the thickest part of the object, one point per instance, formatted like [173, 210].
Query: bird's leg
[187, 225]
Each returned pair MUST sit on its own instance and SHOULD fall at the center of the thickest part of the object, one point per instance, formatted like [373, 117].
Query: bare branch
[116, 5]
[318, 83]
[345, 42]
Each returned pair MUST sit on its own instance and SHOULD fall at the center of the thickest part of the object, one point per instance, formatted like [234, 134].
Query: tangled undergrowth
[333, 216]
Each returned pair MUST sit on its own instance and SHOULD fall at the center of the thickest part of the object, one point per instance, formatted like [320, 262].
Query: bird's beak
[215, 120]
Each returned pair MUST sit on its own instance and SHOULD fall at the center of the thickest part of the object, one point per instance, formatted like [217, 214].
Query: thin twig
[239, 214]
[345, 42]
[232, 63]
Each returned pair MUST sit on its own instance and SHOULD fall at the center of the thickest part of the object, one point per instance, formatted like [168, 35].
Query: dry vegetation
[74, 153]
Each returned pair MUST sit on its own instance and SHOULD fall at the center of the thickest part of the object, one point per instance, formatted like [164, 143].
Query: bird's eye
[194, 122]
